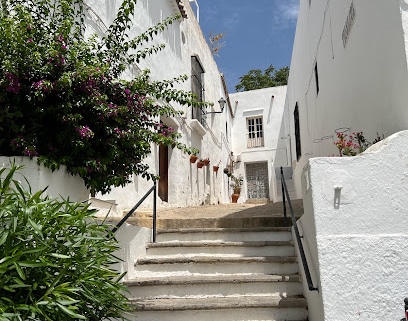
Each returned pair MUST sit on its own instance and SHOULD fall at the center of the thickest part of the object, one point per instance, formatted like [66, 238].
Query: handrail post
[154, 210]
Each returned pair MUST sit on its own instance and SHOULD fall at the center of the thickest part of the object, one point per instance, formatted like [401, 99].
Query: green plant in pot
[236, 183]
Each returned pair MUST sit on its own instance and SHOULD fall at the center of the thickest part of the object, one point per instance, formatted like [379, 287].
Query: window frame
[255, 132]
[197, 87]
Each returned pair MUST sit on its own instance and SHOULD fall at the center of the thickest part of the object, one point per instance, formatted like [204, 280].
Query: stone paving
[223, 210]
[225, 215]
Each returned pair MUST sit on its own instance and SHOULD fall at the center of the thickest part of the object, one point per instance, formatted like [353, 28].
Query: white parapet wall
[58, 183]
[132, 240]
[355, 233]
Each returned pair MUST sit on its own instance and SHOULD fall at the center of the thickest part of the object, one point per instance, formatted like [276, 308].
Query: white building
[348, 71]
[260, 142]
[349, 74]
[187, 53]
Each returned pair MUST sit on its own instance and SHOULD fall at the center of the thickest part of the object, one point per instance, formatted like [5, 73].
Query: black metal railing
[285, 195]
[153, 190]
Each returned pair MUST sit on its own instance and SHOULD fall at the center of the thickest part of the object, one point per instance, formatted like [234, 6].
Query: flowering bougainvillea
[351, 145]
[62, 97]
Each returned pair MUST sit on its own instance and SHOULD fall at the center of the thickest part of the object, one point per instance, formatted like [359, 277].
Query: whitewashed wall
[363, 85]
[188, 185]
[267, 103]
[58, 184]
[357, 208]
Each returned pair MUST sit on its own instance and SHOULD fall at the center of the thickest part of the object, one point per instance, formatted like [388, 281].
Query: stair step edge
[206, 279]
[214, 303]
[224, 230]
[215, 259]
[218, 243]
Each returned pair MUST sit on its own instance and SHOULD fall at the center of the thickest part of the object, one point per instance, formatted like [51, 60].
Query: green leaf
[19, 271]
[60, 256]
[70, 313]
[3, 237]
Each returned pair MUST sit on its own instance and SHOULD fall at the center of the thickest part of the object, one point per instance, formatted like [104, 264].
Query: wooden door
[164, 173]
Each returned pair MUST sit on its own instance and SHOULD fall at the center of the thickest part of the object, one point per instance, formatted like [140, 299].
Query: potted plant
[200, 163]
[216, 167]
[193, 155]
[236, 183]
[206, 161]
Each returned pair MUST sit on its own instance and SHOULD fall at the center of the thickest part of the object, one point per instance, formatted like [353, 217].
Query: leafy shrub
[62, 97]
[55, 259]
[356, 143]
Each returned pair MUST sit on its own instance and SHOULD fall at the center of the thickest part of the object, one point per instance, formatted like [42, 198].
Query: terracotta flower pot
[234, 198]
[200, 164]
[193, 158]
[206, 161]
[215, 168]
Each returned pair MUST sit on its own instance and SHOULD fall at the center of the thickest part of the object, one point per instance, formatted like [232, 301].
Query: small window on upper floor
[316, 73]
[255, 134]
[197, 86]
[310, 3]
[297, 132]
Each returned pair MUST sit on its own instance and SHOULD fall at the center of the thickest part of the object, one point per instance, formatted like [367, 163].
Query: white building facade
[260, 142]
[181, 183]
[348, 74]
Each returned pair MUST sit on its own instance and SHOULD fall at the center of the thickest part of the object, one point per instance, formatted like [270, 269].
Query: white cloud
[285, 14]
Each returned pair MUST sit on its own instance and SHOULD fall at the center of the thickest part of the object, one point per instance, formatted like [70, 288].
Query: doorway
[164, 173]
[257, 180]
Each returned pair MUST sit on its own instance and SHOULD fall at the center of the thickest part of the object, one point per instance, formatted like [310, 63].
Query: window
[297, 132]
[316, 78]
[197, 86]
[255, 136]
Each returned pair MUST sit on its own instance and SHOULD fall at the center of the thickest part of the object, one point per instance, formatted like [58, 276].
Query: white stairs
[214, 274]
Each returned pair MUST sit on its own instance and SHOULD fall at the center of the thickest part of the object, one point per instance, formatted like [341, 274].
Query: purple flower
[29, 40]
[85, 132]
[14, 84]
[30, 151]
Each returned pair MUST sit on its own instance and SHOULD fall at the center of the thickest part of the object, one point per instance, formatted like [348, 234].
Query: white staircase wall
[132, 241]
[355, 233]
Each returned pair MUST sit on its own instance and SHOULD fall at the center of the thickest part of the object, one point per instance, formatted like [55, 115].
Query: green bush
[63, 97]
[55, 259]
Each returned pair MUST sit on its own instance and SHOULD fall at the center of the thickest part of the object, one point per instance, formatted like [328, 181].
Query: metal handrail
[123, 220]
[298, 237]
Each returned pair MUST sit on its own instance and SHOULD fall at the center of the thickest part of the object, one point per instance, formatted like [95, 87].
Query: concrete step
[212, 265]
[214, 286]
[219, 222]
[237, 308]
[226, 234]
[218, 273]
[216, 248]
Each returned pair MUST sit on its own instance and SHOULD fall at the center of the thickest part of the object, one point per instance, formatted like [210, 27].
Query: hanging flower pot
[193, 158]
[226, 170]
[215, 168]
[200, 164]
[206, 161]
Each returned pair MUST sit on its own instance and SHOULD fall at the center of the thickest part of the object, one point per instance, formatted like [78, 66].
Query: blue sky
[256, 33]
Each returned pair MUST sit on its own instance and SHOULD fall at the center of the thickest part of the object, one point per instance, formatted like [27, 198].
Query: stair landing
[231, 215]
